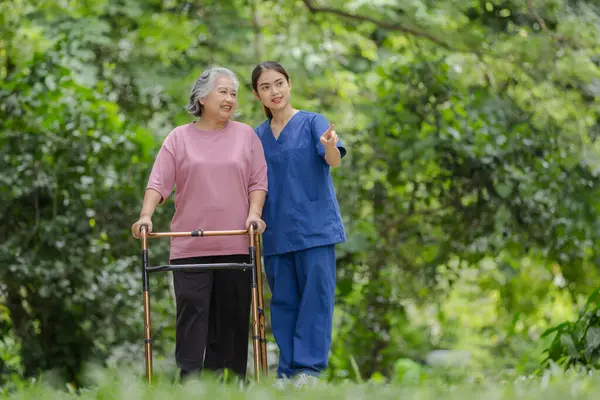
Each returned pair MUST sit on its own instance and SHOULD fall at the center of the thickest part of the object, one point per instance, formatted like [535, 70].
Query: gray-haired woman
[219, 170]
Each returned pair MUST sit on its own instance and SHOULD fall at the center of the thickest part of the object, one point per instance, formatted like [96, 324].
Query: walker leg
[255, 331]
[147, 321]
[147, 337]
[261, 308]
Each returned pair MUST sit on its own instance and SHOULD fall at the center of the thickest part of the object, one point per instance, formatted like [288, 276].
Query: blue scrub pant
[302, 284]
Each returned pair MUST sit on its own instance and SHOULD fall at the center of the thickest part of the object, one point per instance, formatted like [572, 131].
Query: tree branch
[537, 17]
[382, 24]
[542, 23]
[257, 28]
[21, 322]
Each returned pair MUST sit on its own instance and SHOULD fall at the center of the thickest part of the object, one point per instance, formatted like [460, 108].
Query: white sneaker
[281, 383]
[305, 380]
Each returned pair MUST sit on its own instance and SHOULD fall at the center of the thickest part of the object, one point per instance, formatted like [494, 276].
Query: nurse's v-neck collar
[290, 122]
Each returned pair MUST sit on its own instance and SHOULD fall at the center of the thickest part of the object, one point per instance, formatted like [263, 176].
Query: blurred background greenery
[469, 193]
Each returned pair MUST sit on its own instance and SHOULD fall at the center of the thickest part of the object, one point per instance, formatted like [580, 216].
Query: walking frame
[258, 317]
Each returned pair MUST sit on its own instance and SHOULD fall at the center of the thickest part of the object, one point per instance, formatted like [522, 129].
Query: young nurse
[304, 225]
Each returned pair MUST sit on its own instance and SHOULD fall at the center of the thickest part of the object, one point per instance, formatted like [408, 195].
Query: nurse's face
[273, 90]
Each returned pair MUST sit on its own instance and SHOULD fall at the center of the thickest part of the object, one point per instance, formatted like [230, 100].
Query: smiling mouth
[228, 108]
[276, 100]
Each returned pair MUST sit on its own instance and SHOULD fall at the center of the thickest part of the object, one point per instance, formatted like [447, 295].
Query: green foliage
[72, 169]
[578, 343]
[469, 192]
[112, 385]
[466, 156]
[63, 280]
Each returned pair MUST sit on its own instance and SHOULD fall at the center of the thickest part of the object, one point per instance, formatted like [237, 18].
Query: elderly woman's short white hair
[203, 86]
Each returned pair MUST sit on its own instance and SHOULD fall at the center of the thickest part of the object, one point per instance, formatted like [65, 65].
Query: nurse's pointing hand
[329, 138]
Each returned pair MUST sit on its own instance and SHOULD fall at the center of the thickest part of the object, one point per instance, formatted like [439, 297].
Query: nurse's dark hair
[257, 72]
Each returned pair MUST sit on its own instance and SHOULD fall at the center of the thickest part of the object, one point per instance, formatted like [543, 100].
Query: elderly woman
[219, 170]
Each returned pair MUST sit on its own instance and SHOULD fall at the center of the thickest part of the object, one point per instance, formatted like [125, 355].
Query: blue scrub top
[301, 210]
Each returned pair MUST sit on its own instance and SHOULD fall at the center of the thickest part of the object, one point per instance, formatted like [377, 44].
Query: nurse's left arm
[321, 127]
[330, 142]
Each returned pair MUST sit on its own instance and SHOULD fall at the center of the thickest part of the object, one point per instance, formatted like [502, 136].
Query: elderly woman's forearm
[257, 201]
[151, 199]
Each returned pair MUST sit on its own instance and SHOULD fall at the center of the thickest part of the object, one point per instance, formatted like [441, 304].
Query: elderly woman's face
[222, 100]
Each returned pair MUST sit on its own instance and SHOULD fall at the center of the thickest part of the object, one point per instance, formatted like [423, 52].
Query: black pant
[213, 315]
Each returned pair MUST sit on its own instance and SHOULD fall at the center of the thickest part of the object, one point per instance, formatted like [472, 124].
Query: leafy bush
[578, 342]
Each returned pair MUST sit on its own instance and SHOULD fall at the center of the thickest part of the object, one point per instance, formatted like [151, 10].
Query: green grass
[119, 385]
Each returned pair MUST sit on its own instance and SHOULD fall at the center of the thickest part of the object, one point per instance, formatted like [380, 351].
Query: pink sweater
[214, 172]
